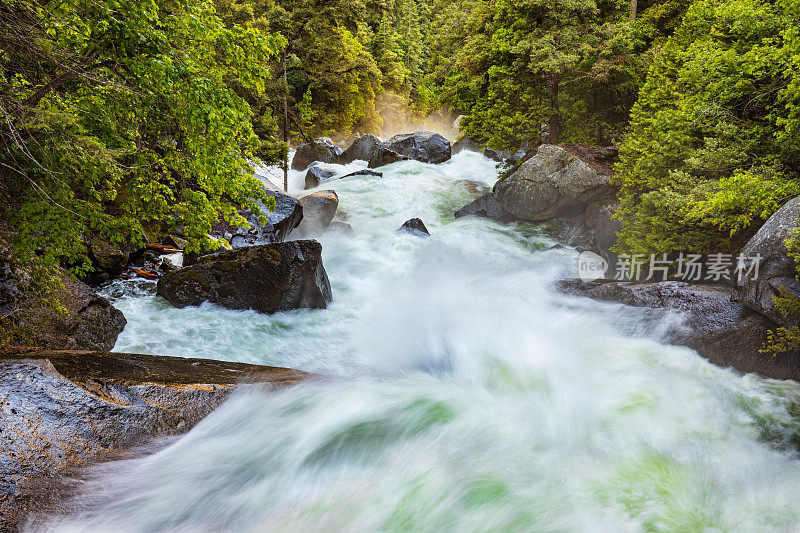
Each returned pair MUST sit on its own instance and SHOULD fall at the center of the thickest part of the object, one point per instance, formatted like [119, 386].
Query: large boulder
[267, 278]
[552, 183]
[280, 222]
[487, 207]
[424, 146]
[721, 330]
[60, 410]
[90, 321]
[316, 174]
[775, 269]
[322, 149]
[319, 208]
[383, 155]
[87, 321]
[362, 149]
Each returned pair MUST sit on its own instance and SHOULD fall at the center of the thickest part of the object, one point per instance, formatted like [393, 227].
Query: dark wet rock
[775, 269]
[362, 149]
[721, 330]
[384, 155]
[107, 256]
[414, 226]
[317, 174]
[175, 241]
[340, 227]
[364, 172]
[553, 183]
[594, 229]
[319, 208]
[64, 410]
[498, 155]
[487, 207]
[88, 321]
[322, 149]
[466, 144]
[286, 216]
[424, 146]
[267, 278]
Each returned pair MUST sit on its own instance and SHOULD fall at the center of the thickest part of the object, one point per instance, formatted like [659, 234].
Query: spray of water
[471, 396]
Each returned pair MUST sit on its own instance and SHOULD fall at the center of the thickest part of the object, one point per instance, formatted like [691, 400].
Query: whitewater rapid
[468, 396]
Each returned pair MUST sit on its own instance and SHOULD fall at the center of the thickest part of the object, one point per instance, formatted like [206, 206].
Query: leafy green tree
[712, 151]
[118, 117]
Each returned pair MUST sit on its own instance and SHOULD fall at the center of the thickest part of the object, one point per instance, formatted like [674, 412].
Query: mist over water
[468, 395]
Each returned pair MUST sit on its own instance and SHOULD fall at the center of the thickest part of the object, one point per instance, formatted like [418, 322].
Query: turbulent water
[467, 395]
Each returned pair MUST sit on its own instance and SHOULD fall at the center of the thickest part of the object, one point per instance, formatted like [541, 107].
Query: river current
[466, 395]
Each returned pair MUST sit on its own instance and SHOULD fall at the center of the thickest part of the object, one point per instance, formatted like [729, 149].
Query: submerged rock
[551, 184]
[721, 330]
[67, 409]
[322, 149]
[364, 172]
[319, 208]
[317, 174]
[487, 207]
[424, 146]
[775, 268]
[415, 226]
[267, 278]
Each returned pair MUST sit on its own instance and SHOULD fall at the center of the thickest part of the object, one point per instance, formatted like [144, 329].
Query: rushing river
[468, 396]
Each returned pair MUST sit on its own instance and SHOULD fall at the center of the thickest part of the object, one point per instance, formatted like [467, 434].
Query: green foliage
[119, 115]
[521, 68]
[710, 152]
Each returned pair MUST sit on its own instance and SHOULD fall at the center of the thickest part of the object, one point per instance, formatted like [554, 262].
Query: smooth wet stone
[60, 410]
[267, 278]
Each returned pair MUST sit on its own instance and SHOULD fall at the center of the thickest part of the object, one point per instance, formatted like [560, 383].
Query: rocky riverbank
[60, 410]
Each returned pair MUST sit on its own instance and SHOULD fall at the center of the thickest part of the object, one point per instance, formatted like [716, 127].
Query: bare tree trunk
[285, 126]
[634, 7]
[554, 125]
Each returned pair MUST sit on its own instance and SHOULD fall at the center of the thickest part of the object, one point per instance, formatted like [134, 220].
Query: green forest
[121, 118]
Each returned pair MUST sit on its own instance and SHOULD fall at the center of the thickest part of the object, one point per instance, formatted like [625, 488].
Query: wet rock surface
[362, 149]
[414, 226]
[317, 174]
[776, 270]
[286, 216]
[486, 206]
[319, 208]
[267, 278]
[553, 183]
[61, 410]
[424, 146]
[721, 330]
[322, 149]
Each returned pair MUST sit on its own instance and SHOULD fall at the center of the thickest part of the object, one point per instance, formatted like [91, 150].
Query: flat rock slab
[60, 410]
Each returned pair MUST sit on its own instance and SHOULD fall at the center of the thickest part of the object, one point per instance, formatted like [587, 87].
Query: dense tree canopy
[712, 150]
[119, 117]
